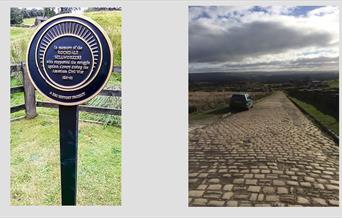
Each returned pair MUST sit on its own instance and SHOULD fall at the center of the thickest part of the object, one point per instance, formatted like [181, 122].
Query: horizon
[275, 72]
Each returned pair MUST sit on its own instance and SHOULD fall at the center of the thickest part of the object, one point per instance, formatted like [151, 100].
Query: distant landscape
[209, 93]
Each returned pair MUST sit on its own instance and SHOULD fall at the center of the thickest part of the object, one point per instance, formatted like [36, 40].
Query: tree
[16, 16]
[103, 9]
[65, 10]
[49, 12]
[34, 12]
[25, 12]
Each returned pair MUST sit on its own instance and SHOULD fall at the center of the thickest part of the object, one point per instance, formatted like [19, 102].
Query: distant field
[20, 37]
[110, 21]
[20, 33]
[334, 84]
[29, 21]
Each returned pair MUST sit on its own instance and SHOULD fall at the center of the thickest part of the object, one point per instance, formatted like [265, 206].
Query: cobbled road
[271, 155]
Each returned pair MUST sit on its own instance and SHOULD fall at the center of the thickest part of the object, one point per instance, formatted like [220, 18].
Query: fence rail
[30, 100]
[17, 108]
[85, 108]
[17, 89]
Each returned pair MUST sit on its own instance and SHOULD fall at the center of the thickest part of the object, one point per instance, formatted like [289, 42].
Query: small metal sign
[69, 59]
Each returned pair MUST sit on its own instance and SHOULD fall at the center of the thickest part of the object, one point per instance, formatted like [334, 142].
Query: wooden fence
[30, 102]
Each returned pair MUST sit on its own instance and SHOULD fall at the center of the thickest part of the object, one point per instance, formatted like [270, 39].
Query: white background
[154, 118]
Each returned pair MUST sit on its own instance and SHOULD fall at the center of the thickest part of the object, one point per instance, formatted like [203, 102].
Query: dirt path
[271, 155]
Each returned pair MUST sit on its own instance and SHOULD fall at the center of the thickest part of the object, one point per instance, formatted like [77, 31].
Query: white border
[154, 118]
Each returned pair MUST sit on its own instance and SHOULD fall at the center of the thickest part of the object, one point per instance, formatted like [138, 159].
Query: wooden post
[29, 94]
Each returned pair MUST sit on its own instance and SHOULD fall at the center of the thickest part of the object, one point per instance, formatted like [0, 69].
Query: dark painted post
[29, 94]
[69, 79]
[68, 129]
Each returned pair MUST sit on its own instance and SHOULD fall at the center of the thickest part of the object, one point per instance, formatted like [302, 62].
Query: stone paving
[271, 155]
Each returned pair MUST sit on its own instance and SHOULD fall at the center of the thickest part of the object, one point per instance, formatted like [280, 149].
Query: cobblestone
[215, 187]
[228, 187]
[228, 195]
[200, 202]
[254, 188]
[215, 203]
[232, 203]
[282, 190]
[271, 155]
[302, 200]
[272, 198]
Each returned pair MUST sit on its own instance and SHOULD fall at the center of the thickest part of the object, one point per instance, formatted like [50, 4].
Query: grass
[333, 84]
[29, 21]
[20, 37]
[20, 32]
[110, 21]
[222, 109]
[35, 170]
[198, 119]
[326, 120]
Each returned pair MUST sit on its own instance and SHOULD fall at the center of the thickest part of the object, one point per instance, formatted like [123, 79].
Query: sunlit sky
[275, 38]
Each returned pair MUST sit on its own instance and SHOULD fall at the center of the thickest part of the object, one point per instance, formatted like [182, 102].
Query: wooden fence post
[29, 94]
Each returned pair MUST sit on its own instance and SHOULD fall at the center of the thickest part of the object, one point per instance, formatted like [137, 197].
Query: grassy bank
[110, 21]
[332, 84]
[35, 171]
[324, 119]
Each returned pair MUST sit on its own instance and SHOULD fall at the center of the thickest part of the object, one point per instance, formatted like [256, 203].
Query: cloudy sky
[277, 38]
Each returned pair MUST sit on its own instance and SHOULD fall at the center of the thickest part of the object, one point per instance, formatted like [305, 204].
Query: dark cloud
[248, 40]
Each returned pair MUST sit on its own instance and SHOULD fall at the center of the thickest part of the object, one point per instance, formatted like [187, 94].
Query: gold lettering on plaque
[68, 62]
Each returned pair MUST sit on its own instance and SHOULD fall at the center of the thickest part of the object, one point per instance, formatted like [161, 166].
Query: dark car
[241, 101]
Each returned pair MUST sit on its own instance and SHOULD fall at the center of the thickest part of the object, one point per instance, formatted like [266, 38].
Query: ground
[35, 170]
[271, 155]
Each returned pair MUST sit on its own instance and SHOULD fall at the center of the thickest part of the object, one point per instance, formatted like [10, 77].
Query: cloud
[220, 37]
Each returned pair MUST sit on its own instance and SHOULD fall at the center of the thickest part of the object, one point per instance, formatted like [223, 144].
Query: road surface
[271, 155]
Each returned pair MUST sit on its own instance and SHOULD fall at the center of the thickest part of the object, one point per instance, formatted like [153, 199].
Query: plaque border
[110, 50]
[74, 87]
[52, 82]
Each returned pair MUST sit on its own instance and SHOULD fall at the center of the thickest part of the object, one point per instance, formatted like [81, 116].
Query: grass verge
[35, 170]
[326, 120]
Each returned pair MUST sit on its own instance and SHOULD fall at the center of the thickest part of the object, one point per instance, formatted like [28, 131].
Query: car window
[238, 98]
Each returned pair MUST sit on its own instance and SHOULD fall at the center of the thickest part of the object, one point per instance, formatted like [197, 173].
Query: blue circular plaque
[69, 59]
